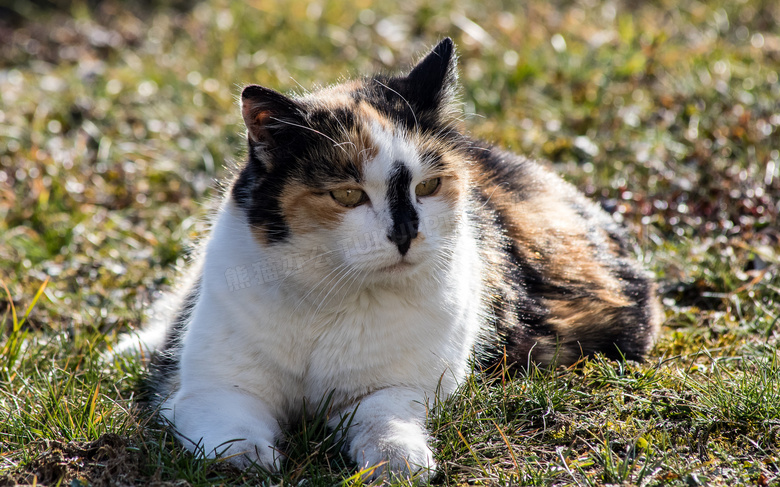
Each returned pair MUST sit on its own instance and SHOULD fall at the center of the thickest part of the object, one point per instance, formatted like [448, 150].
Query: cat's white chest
[376, 341]
[285, 351]
[287, 359]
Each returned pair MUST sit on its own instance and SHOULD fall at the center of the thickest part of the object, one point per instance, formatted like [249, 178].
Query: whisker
[336, 271]
[416, 124]
[287, 122]
[340, 281]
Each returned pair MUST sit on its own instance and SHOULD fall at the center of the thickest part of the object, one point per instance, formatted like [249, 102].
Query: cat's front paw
[245, 453]
[403, 454]
[235, 427]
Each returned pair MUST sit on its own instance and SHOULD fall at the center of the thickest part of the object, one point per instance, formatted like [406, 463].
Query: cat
[370, 252]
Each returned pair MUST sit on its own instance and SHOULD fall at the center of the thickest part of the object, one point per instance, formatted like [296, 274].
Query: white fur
[348, 321]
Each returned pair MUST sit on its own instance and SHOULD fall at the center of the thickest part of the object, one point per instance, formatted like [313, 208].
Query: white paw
[232, 426]
[404, 454]
[245, 453]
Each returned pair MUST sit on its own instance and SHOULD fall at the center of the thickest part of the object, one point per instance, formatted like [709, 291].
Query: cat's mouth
[398, 267]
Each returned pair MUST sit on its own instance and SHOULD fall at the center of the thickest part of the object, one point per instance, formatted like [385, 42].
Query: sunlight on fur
[368, 250]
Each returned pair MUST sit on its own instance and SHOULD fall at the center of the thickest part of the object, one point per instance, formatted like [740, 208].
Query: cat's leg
[387, 431]
[229, 423]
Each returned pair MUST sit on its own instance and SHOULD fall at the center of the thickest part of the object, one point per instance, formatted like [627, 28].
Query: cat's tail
[584, 327]
[141, 343]
[163, 317]
[144, 342]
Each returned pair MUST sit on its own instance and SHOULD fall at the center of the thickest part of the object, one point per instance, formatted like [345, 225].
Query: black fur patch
[257, 192]
[508, 169]
[432, 159]
[165, 363]
[406, 222]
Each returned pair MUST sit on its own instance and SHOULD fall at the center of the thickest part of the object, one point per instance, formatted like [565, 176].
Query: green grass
[115, 122]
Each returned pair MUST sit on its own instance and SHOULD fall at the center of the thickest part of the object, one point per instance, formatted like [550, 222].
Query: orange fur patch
[306, 211]
[369, 114]
[553, 238]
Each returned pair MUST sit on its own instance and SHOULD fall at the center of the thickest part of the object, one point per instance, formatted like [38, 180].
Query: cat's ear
[433, 82]
[266, 112]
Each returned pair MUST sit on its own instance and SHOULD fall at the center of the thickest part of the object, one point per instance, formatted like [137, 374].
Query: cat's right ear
[266, 112]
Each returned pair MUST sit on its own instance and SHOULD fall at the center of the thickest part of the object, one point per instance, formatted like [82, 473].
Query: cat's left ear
[433, 82]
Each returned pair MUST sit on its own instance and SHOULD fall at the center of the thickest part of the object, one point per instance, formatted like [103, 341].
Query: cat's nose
[403, 233]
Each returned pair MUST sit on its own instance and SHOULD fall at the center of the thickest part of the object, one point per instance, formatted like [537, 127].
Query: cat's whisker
[346, 282]
[287, 122]
[304, 90]
[300, 267]
[319, 287]
[490, 196]
[347, 142]
[416, 123]
[343, 128]
[366, 275]
[341, 280]
[334, 277]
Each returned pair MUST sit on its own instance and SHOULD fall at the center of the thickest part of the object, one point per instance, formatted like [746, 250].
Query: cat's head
[372, 174]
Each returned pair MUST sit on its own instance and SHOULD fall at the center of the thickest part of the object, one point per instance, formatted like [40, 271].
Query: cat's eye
[427, 187]
[349, 197]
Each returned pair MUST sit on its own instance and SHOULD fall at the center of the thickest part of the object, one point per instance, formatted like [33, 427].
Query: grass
[116, 121]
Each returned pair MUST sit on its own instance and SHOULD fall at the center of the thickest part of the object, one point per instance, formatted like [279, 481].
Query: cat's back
[538, 209]
[568, 282]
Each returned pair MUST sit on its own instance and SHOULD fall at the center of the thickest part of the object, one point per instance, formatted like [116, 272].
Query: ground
[115, 122]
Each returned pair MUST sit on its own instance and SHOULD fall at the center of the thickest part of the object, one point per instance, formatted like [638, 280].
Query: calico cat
[367, 251]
